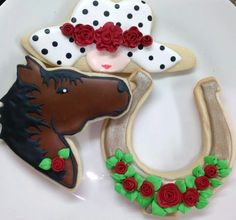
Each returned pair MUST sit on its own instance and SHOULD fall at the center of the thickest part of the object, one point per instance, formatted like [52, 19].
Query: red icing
[121, 167]
[130, 184]
[58, 164]
[147, 189]
[211, 171]
[147, 41]
[202, 182]
[132, 37]
[84, 34]
[67, 29]
[169, 195]
[191, 197]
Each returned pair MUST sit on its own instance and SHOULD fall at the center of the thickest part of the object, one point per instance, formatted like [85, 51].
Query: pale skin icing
[107, 62]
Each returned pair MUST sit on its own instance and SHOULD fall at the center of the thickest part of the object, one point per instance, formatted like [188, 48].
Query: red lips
[106, 66]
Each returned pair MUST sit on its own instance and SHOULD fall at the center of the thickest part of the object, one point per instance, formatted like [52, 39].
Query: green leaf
[130, 172]
[183, 208]
[119, 188]
[224, 172]
[190, 181]
[131, 196]
[202, 203]
[119, 154]
[46, 164]
[222, 164]
[172, 209]
[144, 201]
[128, 158]
[210, 160]
[205, 194]
[156, 181]
[215, 182]
[118, 177]
[157, 210]
[181, 185]
[64, 153]
[139, 180]
[111, 162]
[198, 171]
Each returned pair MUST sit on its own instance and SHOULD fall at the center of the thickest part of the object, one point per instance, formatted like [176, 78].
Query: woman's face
[101, 61]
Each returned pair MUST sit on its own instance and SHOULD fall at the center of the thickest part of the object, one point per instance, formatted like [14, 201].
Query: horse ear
[30, 73]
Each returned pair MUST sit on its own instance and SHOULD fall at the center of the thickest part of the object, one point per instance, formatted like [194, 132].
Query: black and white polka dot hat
[60, 50]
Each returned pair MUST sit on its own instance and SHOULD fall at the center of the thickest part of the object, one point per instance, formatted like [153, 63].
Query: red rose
[169, 195]
[109, 37]
[84, 34]
[58, 164]
[132, 37]
[211, 171]
[191, 197]
[130, 184]
[147, 41]
[147, 189]
[121, 167]
[67, 29]
[202, 182]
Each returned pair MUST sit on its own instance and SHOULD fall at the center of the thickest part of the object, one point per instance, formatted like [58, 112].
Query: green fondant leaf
[181, 185]
[119, 188]
[222, 164]
[224, 172]
[202, 203]
[118, 177]
[210, 160]
[205, 194]
[139, 179]
[215, 182]
[130, 172]
[131, 196]
[111, 162]
[46, 164]
[128, 158]
[119, 154]
[156, 181]
[144, 201]
[172, 209]
[190, 181]
[198, 171]
[64, 153]
[183, 208]
[157, 210]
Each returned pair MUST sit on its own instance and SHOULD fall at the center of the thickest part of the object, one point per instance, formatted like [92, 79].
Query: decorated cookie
[107, 36]
[167, 193]
[44, 105]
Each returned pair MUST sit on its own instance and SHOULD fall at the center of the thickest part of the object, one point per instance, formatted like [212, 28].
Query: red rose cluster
[109, 37]
[58, 164]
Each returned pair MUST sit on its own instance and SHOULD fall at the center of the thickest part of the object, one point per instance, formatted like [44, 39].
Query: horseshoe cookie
[164, 193]
[45, 105]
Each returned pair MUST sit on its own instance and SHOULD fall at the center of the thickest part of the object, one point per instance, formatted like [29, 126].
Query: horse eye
[62, 90]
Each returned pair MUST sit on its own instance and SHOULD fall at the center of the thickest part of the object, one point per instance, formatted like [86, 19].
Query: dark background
[1, 1]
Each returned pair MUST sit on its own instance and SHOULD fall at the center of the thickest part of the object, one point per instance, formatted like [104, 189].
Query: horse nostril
[122, 87]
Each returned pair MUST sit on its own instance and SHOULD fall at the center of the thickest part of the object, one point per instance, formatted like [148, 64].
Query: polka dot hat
[60, 50]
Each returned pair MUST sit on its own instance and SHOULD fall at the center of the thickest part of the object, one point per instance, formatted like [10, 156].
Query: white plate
[172, 136]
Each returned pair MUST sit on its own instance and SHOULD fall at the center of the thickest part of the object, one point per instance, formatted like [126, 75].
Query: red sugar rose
[147, 189]
[147, 41]
[169, 196]
[211, 171]
[130, 184]
[121, 167]
[84, 34]
[58, 164]
[202, 182]
[132, 37]
[67, 29]
[191, 197]
[109, 37]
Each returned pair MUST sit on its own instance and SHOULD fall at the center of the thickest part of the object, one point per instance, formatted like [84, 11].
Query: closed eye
[62, 91]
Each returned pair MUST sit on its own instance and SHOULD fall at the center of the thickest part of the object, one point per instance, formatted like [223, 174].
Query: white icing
[67, 53]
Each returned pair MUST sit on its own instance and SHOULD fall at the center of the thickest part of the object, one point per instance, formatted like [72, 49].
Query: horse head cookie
[44, 105]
